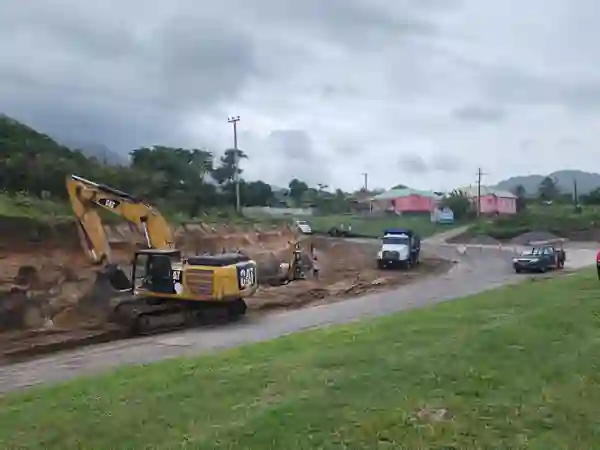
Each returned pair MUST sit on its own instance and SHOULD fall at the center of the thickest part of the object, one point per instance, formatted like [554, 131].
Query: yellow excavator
[166, 289]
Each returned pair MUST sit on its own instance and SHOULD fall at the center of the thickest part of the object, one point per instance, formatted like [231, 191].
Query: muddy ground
[48, 289]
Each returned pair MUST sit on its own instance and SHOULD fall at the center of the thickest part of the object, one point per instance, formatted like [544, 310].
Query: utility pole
[236, 179]
[480, 175]
[366, 182]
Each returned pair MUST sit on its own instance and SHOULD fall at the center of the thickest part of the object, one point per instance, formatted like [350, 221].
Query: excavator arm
[88, 198]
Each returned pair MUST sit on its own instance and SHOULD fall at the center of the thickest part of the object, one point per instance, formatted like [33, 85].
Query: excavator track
[145, 317]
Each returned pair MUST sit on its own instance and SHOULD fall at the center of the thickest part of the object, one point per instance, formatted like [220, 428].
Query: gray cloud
[288, 154]
[475, 113]
[448, 163]
[326, 89]
[522, 86]
[439, 161]
[412, 163]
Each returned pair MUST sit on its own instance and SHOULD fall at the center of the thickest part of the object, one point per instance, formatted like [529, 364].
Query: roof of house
[471, 191]
[397, 193]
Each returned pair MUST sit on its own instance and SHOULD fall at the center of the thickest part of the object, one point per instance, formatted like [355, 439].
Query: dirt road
[476, 270]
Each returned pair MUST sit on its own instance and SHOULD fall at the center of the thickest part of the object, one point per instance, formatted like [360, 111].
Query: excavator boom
[88, 197]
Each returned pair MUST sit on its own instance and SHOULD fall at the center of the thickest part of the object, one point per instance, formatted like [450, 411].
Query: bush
[559, 221]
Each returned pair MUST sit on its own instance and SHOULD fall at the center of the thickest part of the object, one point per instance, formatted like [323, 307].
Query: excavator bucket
[111, 283]
[117, 277]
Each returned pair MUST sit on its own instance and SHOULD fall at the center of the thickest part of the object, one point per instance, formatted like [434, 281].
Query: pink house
[403, 201]
[493, 202]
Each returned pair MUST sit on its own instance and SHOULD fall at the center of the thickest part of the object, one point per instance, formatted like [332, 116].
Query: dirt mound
[483, 239]
[18, 231]
[43, 297]
[198, 238]
[527, 238]
[469, 238]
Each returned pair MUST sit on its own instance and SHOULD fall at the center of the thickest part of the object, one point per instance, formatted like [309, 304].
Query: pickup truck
[541, 257]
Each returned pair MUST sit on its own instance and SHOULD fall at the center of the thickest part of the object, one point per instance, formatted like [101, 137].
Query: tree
[400, 186]
[548, 189]
[592, 198]
[177, 180]
[256, 193]
[176, 175]
[521, 194]
[459, 203]
[226, 171]
[297, 189]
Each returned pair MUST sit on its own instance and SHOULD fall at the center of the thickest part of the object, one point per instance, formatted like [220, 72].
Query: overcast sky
[419, 92]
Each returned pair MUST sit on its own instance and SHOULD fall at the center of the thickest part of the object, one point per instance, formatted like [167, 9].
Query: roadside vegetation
[19, 205]
[510, 368]
[560, 220]
[187, 185]
[373, 226]
[548, 210]
[563, 214]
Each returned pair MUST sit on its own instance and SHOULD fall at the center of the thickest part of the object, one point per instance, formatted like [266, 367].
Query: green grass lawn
[41, 210]
[33, 208]
[373, 226]
[512, 368]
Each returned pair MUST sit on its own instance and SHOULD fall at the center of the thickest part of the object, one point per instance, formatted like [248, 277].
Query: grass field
[42, 210]
[22, 206]
[513, 368]
[373, 226]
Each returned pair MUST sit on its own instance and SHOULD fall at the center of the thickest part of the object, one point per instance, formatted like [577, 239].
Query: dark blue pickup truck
[540, 258]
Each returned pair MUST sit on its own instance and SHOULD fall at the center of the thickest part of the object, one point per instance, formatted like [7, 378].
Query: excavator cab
[156, 271]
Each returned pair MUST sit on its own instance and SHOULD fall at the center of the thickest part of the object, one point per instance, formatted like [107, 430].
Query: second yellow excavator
[166, 288]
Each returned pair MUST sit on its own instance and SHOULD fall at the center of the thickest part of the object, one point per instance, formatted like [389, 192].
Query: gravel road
[477, 269]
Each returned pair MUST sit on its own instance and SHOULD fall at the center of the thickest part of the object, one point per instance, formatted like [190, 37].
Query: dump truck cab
[400, 247]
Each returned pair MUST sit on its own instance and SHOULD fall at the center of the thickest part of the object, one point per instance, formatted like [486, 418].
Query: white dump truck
[400, 247]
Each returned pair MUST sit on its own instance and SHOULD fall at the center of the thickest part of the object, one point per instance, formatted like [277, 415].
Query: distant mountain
[586, 181]
[101, 152]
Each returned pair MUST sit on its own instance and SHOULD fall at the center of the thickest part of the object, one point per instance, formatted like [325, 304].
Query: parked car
[303, 226]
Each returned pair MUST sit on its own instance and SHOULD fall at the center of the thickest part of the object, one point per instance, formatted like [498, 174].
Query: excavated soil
[52, 298]
[346, 270]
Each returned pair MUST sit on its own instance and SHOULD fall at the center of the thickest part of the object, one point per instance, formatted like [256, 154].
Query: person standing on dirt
[315, 268]
[598, 264]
